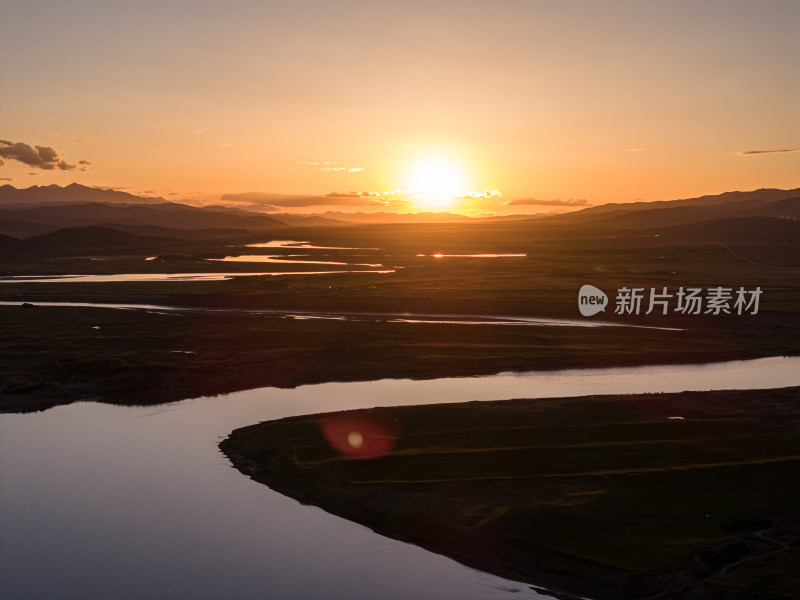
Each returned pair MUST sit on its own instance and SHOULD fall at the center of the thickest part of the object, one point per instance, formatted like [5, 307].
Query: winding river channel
[410, 318]
[101, 501]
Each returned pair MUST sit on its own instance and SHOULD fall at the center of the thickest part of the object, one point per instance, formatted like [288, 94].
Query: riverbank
[52, 355]
[689, 495]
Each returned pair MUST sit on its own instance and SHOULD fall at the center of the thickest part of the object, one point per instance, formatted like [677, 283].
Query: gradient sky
[593, 101]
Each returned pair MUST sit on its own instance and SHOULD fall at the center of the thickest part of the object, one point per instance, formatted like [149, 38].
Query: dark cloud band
[751, 152]
[39, 157]
[293, 201]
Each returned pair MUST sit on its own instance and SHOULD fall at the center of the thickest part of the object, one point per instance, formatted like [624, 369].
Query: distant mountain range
[39, 210]
[758, 203]
[74, 219]
[177, 216]
[73, 193]
[419, 217]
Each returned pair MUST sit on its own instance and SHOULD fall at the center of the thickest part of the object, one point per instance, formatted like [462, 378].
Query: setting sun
[436, 182]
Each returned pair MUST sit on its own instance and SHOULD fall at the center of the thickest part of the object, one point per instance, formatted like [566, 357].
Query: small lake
[102, 501]
[287, 258]
[300, 244]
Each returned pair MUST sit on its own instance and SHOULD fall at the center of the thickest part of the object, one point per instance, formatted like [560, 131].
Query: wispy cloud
[329, 167]
[270, 200]
[340, 169]
[473, 195]
[353, 194]
[553, 202]
[750, 152]
[113, 188]
[6, 179]
[39, 157]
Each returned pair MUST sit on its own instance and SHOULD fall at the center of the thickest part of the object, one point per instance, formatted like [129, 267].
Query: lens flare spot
[360, 435]
[355, 439]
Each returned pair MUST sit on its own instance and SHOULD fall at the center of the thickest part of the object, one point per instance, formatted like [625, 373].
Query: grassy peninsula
[691, 495]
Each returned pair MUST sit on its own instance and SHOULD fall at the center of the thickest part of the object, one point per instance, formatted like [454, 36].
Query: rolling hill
[758, 203]
[39, 219]
[97, 237]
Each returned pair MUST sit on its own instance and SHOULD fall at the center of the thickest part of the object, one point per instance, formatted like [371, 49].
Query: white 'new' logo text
[591, 300]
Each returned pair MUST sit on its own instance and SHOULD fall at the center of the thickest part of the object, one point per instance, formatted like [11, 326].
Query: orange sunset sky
[479, 107]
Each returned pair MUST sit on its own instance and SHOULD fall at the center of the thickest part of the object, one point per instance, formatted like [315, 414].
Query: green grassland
[606, 496]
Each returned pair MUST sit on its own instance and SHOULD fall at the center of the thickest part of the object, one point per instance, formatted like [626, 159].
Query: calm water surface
[286, 258]
[300, 244]
[100, 501]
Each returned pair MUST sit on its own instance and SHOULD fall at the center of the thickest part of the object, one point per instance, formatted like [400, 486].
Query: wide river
[100, 501]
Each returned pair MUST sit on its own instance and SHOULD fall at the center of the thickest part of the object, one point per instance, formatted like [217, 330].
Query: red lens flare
[360, 437]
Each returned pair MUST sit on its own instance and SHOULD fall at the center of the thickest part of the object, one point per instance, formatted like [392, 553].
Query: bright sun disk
[436, 182]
